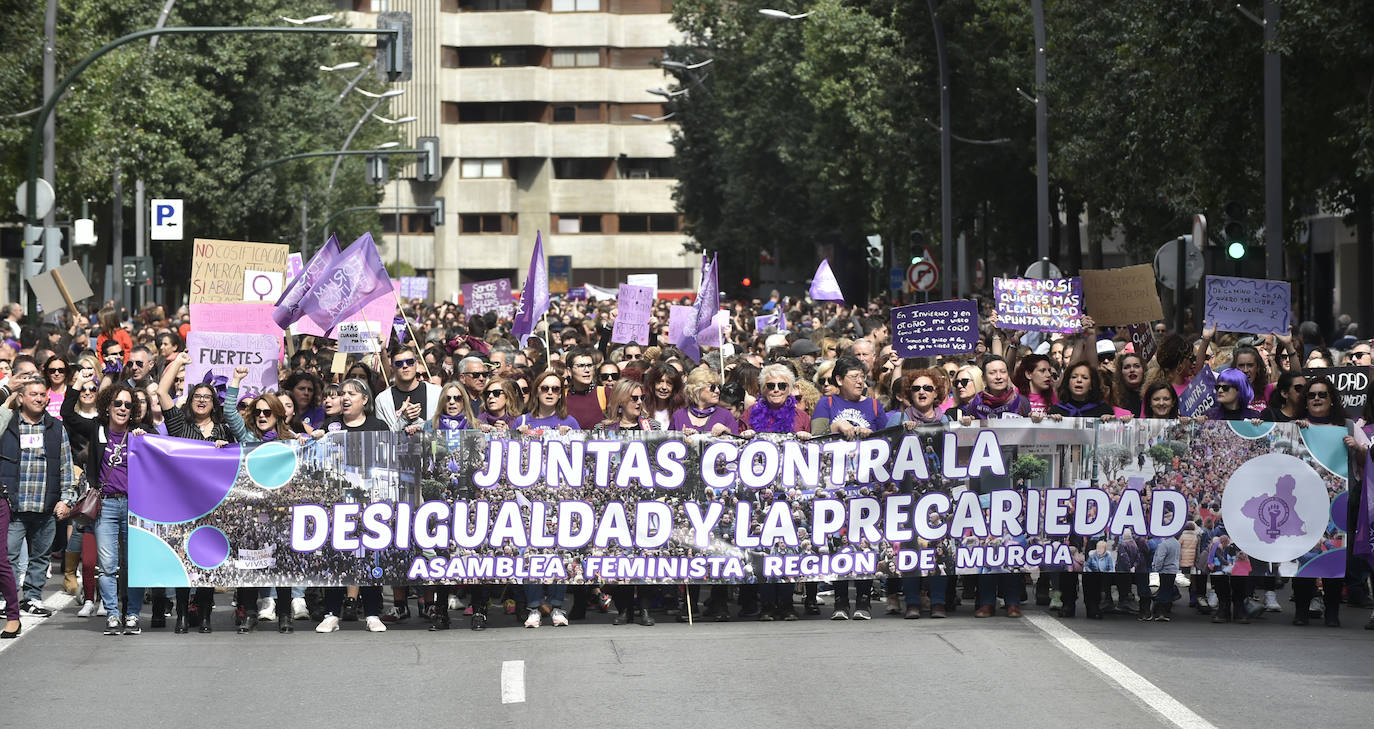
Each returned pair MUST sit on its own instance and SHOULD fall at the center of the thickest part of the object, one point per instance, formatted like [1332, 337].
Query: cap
[803, 347]
[1105, 346]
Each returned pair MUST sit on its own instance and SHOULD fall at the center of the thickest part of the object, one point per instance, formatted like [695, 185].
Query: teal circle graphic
[152, 562]
[271, 465]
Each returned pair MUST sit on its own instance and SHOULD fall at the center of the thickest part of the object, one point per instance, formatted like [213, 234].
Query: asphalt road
[1039, 671]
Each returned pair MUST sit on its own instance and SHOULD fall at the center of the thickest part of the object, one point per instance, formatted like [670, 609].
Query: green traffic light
[915, 260]
[1236, 250]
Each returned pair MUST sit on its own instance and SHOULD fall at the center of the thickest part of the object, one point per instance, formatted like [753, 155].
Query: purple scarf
[452, 422]
[764, 419]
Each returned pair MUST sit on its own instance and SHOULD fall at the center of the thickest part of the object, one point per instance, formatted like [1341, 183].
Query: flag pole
[381, 361]
[418, 344]
[548, 353]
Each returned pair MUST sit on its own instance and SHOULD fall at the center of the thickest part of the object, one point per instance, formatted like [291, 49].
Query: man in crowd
[410, 399]
[473, 374]
[586, 401]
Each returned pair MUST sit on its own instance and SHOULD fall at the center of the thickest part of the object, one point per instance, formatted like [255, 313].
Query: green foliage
[1029, 468]
[1161, 454]
[1112, 457]
[396, 269]
[190, 117]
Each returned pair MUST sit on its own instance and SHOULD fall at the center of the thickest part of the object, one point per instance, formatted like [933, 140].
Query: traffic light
[1234, 236]
[393, 51]
[439, 206]
[746, 282]
[52, 248]
[875, 251]
[377, 171]
[33, 251]
[428, 168]
[916, 241]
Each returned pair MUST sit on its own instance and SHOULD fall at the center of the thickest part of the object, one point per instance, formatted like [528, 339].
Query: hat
[775, 340]
[803, 347]
[1105, 346]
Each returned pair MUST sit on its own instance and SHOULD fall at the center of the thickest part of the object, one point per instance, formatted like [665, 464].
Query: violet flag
[534, 298]
[824, 287]
[1363, 537]
[347, 284]
[702, 322]
[288, 309]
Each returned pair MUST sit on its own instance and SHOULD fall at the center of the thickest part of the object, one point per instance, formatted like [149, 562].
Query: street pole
[140, 247]
[1042, 143]
[1273, 148]
[117, 291]
[946, 206]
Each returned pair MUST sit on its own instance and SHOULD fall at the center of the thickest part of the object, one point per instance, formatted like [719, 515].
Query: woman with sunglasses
[498, 410]
[452, 415]
[1289, 401]
[549, 408]
[1324, 409]
[607, 373]
[1233, 395]
[55, 374]
[703, 413]
[199, 419]
[663, 386]
[356, 416]
[926, 389]
[107, 464]
[625, 412]
[780, 409]
[269, 423]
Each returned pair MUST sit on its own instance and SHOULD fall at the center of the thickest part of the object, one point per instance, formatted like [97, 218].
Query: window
[635, 57]
[487, 223]
[577, 6]
[645, 168]
[669, 279]
[483, 168]
[574, 57]
[581, 168]
[635, 7]
[568, 113]
[448, 57]
[471, 113]
[497, 57]
[625, 112]
[569, 223]
[411, 223]
[649, 223]
[481, 6]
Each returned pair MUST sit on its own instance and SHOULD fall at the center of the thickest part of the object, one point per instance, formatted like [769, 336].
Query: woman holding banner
[998, 399]
[198, 419]
[1034, 378]
[625, 412]
[1128, 383]
[703, 413]
[1322, 409]
[549, 409]
[355, 417]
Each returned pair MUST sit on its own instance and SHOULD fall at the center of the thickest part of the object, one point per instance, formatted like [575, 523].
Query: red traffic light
[746, 282]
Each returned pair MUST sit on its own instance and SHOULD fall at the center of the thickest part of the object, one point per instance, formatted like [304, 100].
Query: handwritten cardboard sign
[1143, 337]
[217, 267]
[1351, 386]
[221, 352]
[1121, 296]
[359, 337]
[1039, 305]
[1200, 394]
[940, 327]
[634, 308]
[1256, 306]
[484, 296]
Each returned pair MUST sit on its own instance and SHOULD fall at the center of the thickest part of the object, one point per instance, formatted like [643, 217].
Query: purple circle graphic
[1339, 516]
[207, 547]
[162, 492]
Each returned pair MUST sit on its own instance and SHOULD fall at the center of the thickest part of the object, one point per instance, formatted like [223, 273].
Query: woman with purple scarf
[999, 399]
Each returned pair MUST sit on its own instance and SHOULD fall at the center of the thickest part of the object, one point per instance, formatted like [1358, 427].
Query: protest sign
[577, 293]
[54, 288]
[417, 287]
[220, 352]
[1256, 306]
[1039, 305]
[295, 263]
[940, 327]
[217, 267]
[560, 273]
[1121, 296]
[1143, 337]
[261, 286]
[1200, 394]
[359, 337]
[654, 508]
[649, 280]
[484, 296]
[634, 309]
[1351, 384]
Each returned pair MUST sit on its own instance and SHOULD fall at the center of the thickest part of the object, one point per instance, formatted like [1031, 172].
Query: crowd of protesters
[79, 388]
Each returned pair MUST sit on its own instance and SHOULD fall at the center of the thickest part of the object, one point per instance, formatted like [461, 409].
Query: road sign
[1034, 271]
[980, 274]
[44, 200]
[895, 279]
[1166, 263]
[923, 275]
[167, 220]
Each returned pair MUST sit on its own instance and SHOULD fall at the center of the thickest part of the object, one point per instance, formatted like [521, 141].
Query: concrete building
[533, 102]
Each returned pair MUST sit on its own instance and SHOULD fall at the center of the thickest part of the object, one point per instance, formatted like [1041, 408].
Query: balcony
[530, 28]
[612, 196]
[531, 139]
[534, 83]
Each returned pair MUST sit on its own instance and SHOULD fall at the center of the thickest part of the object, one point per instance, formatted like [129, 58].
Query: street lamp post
[377, 100]
[946, 205]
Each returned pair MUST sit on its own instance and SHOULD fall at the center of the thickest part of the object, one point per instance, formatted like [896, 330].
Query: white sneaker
[328, 625]
[560, 618]
[267, 609]
[1212, 599]
[87, 609]
[1271, 602]
[375, 624]
[100, 610]
[533, 619]
[298, 609]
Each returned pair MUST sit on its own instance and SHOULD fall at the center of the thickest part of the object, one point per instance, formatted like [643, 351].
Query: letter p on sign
[167, 220]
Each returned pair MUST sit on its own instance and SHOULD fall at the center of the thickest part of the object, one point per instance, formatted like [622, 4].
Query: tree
[1162, 456]
[1029, 468]
[1113, 457]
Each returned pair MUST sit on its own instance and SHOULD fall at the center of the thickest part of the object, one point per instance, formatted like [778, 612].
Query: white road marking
[56, 603]
[513, 682]
[1151, 695]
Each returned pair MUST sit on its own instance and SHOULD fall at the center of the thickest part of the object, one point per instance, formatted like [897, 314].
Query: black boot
[440, 609]
[159, 609]
[182, 609]
[205, 604]
[284, 625]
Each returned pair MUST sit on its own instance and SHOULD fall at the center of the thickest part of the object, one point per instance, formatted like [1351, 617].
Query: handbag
[87, 507]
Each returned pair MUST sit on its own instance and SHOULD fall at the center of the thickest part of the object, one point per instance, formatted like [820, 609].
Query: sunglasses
[713, 388]
[57, 369]
[477, 375]
[88, 388]
[495, 393]
[403, 363]
[634, 356]
[610, 376]
[550, 388]
[454, 398]
[524, 389]
[963, 382]
[1224, 387]
[1106, 357]
[1318, 395]
[263, 412]
[1359, 355]
[636, 398]
[122, 404]
[775, 386]
[923, 388]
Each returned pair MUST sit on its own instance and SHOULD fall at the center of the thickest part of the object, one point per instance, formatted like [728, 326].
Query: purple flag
[1363, 537]
[351, 280]
[703, 314]
[824, 287]
[534, 298]
[289, 309]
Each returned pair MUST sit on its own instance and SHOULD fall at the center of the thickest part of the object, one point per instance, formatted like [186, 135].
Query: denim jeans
[1009, 582]
[37, 529]
[111, 542]
[911, 588]
[551, 595]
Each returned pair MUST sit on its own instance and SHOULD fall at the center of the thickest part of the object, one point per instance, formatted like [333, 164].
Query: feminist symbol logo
[1273, 514]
